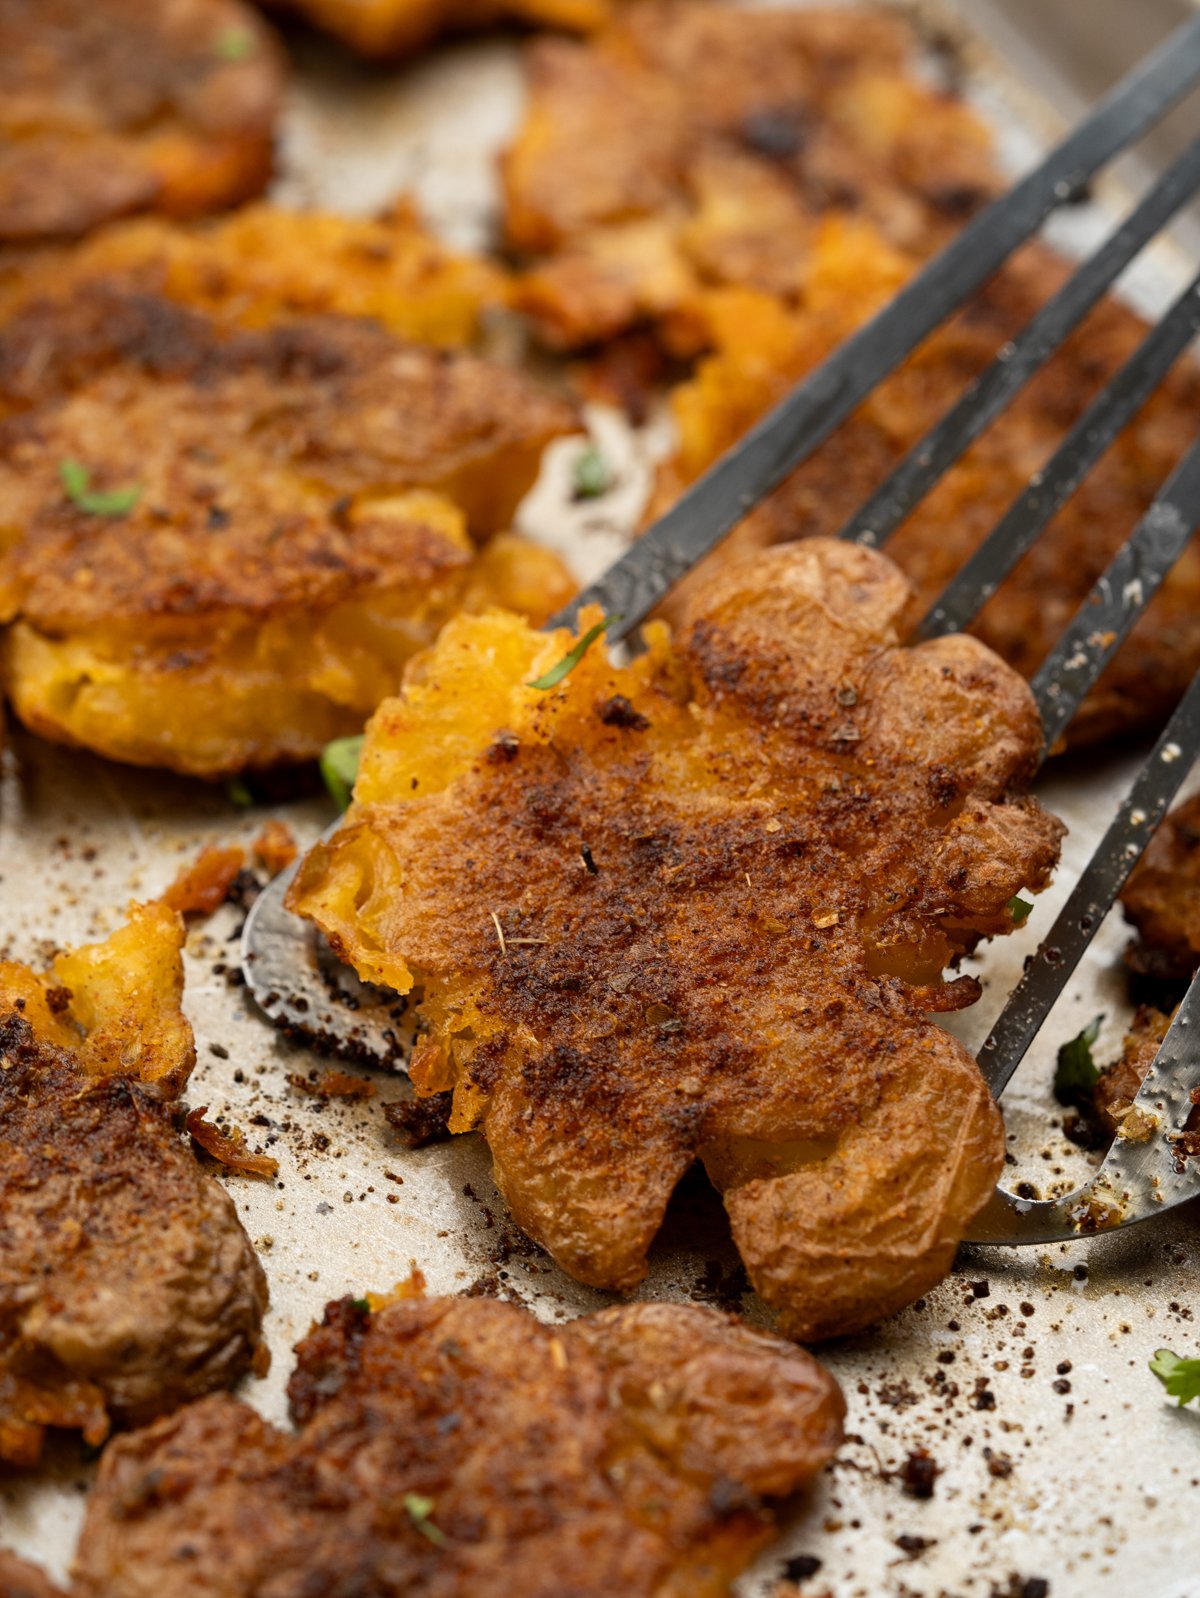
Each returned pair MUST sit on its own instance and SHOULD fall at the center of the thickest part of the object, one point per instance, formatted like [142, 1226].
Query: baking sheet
[1084, 1477]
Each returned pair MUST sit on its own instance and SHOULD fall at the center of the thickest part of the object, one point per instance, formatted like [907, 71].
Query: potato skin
[699, 908]
[128, 1283]
[113, 106]
[385, 30]
[1162, 898]
[629, 1451]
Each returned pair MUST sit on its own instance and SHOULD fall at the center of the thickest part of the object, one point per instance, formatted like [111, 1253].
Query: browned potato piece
[385, 29]
[18, 1579]
[114, 106]
[127, 1285]
[700, 144]
[763, 346]
[442, 1442]
[263, 261]
[219, 546]
[1162, 898]
[699, 908]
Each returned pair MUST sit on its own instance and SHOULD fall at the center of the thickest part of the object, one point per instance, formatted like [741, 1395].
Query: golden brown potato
[18, 1579]
[127, 1285]
[698, 909]
[385, 29]
[1162, 898]
[113, 106]
[697, 144]
[763, 346]
[440, 1443]
[221, 545]
[262, 261]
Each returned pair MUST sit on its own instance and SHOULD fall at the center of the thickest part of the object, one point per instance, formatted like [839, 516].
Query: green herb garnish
[419, 1510]
[571, 659]
[1019, 909]
[363, 1304]
[234, 44]
[76, 479]
[1076, 1073]
[339, 767]
[1180, 1377]
[591, 475]
[238, 794]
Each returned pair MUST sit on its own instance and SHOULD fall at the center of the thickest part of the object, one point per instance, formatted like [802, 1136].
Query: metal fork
[300, 985]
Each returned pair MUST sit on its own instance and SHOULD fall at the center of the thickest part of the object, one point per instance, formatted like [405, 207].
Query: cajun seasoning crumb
[202, 887]
[228, 1144]
[918, 1473]
[418, 1122]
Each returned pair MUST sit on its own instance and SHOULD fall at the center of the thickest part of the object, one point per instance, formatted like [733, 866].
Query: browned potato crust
[114, 106]
[763, 347]
[18, 1579]
[385, 29]
[698, 908]
[301, 498]
[1162, 898]
[696, 143]
[458, 1447]
[127, 1285]
[262, 261]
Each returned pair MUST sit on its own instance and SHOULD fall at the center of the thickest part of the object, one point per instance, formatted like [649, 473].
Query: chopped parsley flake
[76, 481]
[1019, 909]
[339, 767]
[419, 1510]
[363, 1304]
[571, 659]
[1180, 1377]
[238, 794]
[1076, 1073]
[592, 475]
[234, 44]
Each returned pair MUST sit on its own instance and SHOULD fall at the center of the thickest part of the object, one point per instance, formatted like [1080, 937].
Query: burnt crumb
[723, 1289]
[620, 712]
[504, 747]
[1064, 1367]
[982, 1397]
[219, 1050]
[57, 1000]
[980, 1289]
[912, 1545]
[918, 1474]
[585, 855]
[998, 1465]
[1061, 1386]
[244, 889]
[896, 1395]
[800, 1567]
[1022, 1587]
[419, 1122]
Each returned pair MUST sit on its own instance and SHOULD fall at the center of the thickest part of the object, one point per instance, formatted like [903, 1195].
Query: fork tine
[929, 460]
[1079, 920]
[716, 501]
[1112, 409]
[1143, 1174]
[1118, 598]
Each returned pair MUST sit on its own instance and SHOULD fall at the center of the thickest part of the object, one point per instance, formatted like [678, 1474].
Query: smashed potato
[127, 1285]
[219, 546]
[385, 29]
[693, 144]
[762, 347]
[1162, 898]
[698, 909]
[263, 261]
[441, 1442]
[108, 107]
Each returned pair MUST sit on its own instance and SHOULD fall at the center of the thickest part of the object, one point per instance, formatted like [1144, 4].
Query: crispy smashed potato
[127, 1285]
[1162, 898]
[697, 145]
[227, 1144]
[203, 885]
[19, 1579]
[262, 261]
[219, 547]
[108, 107]
[763, 346]
[698, 909]
[385, 29]
[442, 1442]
